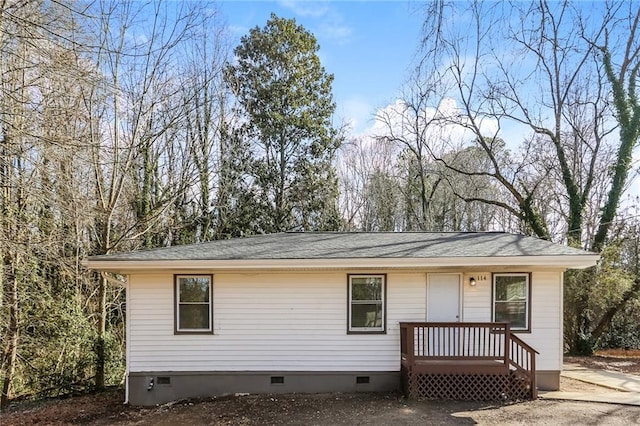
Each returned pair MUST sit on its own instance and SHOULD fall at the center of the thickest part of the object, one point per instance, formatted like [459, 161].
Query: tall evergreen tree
[284, 94]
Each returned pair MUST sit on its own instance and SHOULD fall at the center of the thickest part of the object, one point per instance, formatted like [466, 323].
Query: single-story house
[435, 313]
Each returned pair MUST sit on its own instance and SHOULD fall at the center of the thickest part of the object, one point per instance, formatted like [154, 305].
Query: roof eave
[563, 262]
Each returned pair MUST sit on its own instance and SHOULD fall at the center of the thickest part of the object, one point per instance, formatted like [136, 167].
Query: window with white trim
[511, 299]
[367, 303]
[194, 313]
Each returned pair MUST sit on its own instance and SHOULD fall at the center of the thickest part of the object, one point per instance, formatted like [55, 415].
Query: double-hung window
[367, 304]
[511, 299]
[194, 308]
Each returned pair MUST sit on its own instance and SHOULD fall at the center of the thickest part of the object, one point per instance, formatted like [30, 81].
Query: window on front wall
[511, 300]
[193, 303]
[367, 303]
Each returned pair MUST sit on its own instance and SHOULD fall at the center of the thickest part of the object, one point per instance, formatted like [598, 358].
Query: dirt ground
[334, 409]
[625, 361]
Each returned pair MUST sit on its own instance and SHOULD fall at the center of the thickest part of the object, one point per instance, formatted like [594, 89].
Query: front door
[443, 298]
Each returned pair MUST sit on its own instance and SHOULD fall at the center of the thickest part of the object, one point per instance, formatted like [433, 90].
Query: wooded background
[129, 125]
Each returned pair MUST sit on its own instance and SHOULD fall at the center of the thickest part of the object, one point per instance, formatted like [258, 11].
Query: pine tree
[284, 94]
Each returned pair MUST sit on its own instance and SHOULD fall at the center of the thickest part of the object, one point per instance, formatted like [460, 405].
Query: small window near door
[193, 304]
[367, 304]
[511, 299]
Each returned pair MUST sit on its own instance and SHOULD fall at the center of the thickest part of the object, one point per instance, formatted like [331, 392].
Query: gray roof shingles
[355, 245]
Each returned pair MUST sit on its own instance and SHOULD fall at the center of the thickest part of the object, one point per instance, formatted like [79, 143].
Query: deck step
[461, 367]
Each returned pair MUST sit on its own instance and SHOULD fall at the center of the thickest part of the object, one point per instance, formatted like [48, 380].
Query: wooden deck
[469, 361]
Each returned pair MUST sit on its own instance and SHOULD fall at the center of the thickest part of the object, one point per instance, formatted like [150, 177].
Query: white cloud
[305, 8]
[357, 113]
[335, 31]
[443, 124]
[330, 23]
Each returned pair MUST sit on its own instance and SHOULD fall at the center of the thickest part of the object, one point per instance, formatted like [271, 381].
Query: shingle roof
[355, 245]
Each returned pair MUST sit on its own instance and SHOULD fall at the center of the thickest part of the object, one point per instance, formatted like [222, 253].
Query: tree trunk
[102, 329]
[605, 321]
[10, 354]
[627, 107]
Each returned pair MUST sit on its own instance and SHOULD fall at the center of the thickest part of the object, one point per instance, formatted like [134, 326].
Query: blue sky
[369, 46]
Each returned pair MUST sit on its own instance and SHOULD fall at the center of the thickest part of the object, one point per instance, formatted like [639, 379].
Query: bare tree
[137, 112]
[623, 73]
[568, 97]
[414, 124]
[96, 155]
[208, 126]
[41, 122]
[358, 161]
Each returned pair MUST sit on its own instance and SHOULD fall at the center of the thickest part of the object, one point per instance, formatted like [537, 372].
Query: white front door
[443, 297]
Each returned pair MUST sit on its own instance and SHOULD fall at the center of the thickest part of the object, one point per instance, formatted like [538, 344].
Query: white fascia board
[564, 262]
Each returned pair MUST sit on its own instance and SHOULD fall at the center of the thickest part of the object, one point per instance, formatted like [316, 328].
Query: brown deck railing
[522, 358]
[480, 348]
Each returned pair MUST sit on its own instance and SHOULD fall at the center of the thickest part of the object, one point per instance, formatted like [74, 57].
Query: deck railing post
[507, 344]
[403, 340]
[534, 383]
[410, 344]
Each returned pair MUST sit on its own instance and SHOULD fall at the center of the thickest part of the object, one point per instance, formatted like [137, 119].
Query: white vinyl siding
[546, 320]
[283, 322]
[476, 300]
[546, 313]
[297, 322]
